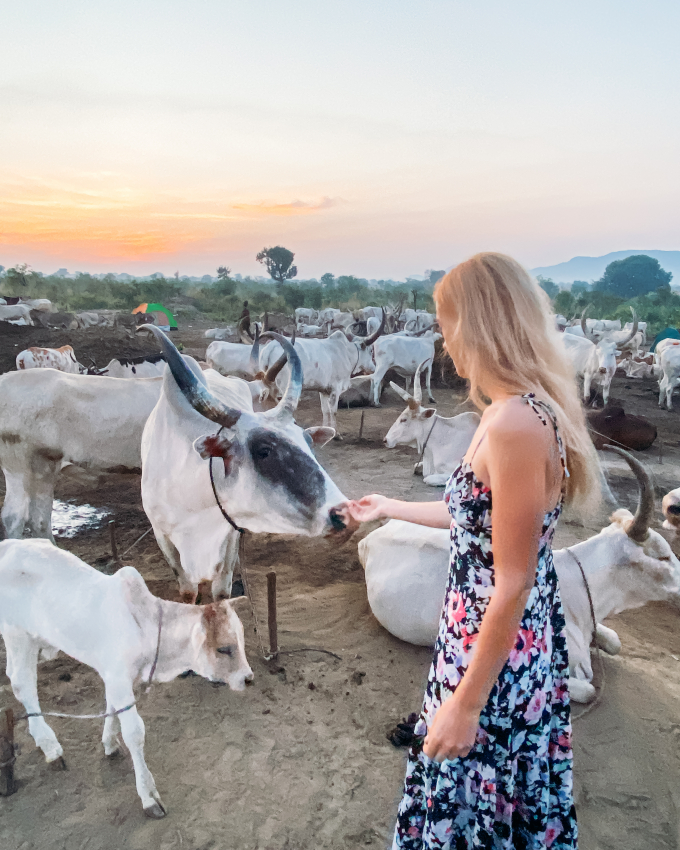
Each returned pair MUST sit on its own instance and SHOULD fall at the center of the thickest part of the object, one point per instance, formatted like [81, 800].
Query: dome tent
[161, 315]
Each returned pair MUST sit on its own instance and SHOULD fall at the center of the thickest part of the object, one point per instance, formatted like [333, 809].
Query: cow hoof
[338, 436]
[114, 753]
[58, 764]
[432, 400]
[155, 812]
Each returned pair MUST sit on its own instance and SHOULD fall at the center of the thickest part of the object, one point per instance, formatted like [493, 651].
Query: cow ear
[213, 445]
[319, 436]
[428, 413]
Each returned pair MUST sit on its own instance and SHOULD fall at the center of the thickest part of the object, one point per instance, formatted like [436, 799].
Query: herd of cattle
[220, 452]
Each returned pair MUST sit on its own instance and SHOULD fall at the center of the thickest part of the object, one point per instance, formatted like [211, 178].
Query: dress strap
[543, 409]
[477, 446]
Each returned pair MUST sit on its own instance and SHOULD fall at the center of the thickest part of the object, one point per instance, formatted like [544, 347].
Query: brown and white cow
[63, 359]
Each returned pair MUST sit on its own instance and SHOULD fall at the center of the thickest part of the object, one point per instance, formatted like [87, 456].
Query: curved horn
[584, 327]
[408, 398]
[291, 396]
[255, 352]
[196, 393]
[424, 330]
[633, 332]
[369, 340]
[639, 528]
[417, 389]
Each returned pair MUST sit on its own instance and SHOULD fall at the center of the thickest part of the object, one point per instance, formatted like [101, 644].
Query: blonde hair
[504, 334]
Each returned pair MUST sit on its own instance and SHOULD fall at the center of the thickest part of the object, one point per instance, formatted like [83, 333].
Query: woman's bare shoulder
[516, 422]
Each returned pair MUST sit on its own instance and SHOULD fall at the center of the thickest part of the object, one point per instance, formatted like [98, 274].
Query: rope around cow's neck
[593, 641]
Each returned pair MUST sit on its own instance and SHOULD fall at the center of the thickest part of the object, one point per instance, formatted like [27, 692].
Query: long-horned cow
[626, 565]
[49, 420]
[260, 470]
[403, 354]
[444, 440]
[328, 365]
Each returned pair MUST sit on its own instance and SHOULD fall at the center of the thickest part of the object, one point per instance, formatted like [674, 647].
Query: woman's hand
[368, 508]
[453, 731]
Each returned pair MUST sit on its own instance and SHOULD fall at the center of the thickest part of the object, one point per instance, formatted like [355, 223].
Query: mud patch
[69, 519]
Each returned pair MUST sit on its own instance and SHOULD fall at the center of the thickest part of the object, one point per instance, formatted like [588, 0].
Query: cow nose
[249, 678]
[603, 371]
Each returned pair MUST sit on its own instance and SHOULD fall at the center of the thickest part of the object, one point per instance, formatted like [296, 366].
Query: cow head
[642, 567]
[218, 645]
[268, 479]
[365, 364]
[671, 510]
[412, 426]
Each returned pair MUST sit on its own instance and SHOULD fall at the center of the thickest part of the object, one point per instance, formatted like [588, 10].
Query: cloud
[293, 208]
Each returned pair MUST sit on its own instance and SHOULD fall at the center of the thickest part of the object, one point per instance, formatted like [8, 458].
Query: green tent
[668, 333]
[158, 308]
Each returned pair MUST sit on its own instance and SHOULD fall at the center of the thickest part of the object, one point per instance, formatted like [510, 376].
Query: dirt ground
[300, 760]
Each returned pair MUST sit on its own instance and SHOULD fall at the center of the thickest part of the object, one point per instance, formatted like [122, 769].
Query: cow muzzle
[603, 371]
[340, 524]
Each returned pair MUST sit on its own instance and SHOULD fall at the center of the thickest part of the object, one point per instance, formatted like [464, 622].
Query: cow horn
[408, 398]
[424, 330]
[369, 340]
[639, 528]
[255, 351]
[584, 327]
[196, 393]
[417, 389]
[633, 332]
[291, 396]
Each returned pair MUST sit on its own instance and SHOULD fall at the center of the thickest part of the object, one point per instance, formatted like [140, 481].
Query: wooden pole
[7, 784]
[271, 613]
[112, 533]
[660, 451]
[361, 425]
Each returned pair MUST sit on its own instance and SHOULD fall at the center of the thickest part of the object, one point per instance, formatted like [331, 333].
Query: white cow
[63, 359]
[445, 439]
[627, 565]
[671, 510]
[328, 314]
[19, 314]
[148, 366]
[403, 354]
[266, 477]
[311, 330]
[43, 305]
[306, 315]
[669, 363]
[234, 358]
[596, 364]
[420, 321]
[328, 366]
[220, 333]
[48, 420]
[52, 601]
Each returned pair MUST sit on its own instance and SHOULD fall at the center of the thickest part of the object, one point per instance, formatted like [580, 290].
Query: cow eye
[226, 650]
[263, 452]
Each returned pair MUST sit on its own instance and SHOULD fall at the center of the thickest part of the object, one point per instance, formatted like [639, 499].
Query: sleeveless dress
[513, 791]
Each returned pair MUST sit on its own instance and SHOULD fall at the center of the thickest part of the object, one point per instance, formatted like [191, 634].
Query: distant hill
[592, 268]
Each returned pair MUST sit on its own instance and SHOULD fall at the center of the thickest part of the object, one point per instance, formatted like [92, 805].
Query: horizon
[157, 137]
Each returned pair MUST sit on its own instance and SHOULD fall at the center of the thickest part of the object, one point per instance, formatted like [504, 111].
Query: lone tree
[636, 275]
[278, 262]
[225, 285]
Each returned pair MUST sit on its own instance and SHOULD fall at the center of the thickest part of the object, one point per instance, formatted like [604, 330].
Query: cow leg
[669, 393]
[15, 507]
[607, 640]
[376, 384]
[119, 693]
[45, 467]
[221, 585]
[605, 389]
[333, 400]
[188, 589]
[428, 378]
[22, 670]
[325, 412]
[407, 382]
[110, 738]
[587, 380]
[662, 389]
[580, 690]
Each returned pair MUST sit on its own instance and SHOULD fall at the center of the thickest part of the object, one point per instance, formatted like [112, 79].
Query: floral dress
[513, 791]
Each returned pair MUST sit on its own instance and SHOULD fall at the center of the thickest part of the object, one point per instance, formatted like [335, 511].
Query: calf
[445, 440]
[51, 600]
[627, 565]
[63, 359]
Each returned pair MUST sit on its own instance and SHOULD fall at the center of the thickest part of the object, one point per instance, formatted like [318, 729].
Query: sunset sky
[371, 138]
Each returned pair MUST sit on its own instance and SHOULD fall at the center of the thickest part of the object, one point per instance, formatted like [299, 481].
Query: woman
[492, 766]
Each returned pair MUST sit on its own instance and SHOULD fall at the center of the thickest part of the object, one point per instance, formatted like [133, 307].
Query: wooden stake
[660, 451]
[112, 533]
[271, 613]
[7, 784]
[361, 425]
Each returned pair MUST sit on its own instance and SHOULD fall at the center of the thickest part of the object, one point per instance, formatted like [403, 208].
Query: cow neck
[216, 494]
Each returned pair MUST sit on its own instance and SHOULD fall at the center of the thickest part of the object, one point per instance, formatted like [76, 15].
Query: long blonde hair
[504, 334]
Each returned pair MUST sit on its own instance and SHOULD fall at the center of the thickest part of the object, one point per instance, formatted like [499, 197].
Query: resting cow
[627, 565]
[50, 600]
[445, 439]
[266, 477]
[146, 366]
[18, 314]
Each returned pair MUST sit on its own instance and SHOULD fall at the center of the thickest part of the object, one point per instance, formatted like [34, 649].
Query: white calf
[51, 600]
[445, 439]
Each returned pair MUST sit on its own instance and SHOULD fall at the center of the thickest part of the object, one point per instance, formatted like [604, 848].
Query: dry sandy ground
[300, 760]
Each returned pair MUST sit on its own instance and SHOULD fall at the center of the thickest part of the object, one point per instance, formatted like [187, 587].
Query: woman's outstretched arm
[433, 514]
[518, 458]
